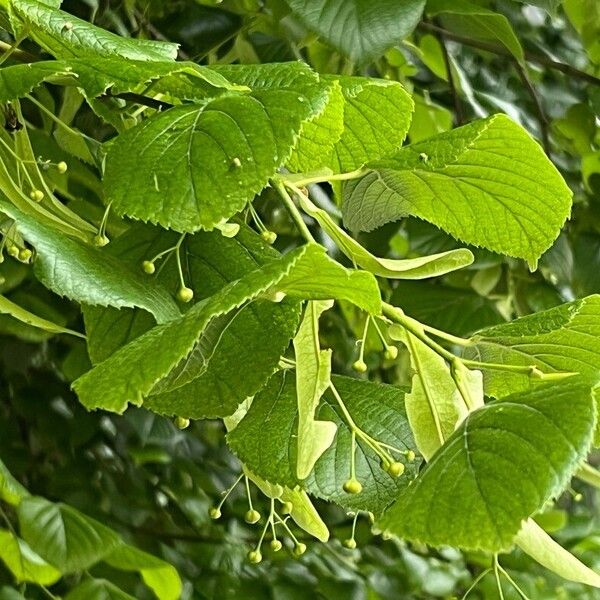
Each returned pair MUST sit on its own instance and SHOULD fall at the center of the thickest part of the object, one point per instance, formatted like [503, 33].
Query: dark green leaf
[84, 273]
[503, 463]
[192, 167]
[265, 440]
[65, 36]
[361, 29]
[64, 537]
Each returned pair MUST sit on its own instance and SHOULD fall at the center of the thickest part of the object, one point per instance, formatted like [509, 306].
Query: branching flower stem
[414, 327]
[357, 432]
[304, 179]
[293, 210]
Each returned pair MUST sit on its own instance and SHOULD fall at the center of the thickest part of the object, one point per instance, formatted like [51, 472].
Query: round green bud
[299, 549]
[410, 456]
[36, 195]
[182, 422]
[100, 240]
[148, 267]
[391, 353]
[350, 544]
[578, 497]
[395, 469]
[214, 513]
[287, 508]
[25, 254]
[352, 486]
[62, 167]
[276, 545]
[185, 294]
[268, 236]
[360, 366]
[252, 516]
[254, 556]
[229, 230]
[13, 251]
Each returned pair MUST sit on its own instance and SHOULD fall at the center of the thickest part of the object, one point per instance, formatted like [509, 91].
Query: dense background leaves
[139, 474]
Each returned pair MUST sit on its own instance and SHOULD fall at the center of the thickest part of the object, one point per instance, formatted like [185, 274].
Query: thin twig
[143, 100]
[458, 112]
[539, 107]
[529, 56]
[17, 53]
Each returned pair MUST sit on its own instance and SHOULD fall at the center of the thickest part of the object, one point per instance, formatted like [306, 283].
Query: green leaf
[562, 339]
[359, 28]
[18, 80]
[64, 35]
[473, 21]
[377, 115]
[533, 540]
[548, 5]
[247, 348]
[10, 308]
[86, 274]
[182, 80]
[413, 268]
[127, 376]
[193, 166]
[24, 563]
[264, 440]
[488, 184]
[97, 589]
[291, 75]
[457, 311]
[313, 378]
[66, 538]
[319, 135]
[434, 405]
[161, 577]
[11, 491]
[503, 463]
[378, 409]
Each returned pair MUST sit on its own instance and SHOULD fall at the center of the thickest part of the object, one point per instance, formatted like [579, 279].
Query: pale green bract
[313, 378]
[410, 268]
[533, 540]
[488, 184]
[434, 405]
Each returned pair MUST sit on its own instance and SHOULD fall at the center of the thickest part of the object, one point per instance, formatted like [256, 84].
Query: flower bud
[276, 545]
[148, 267]
[214, 513]
[252, 516]
[185, 294]
[360, 366]
[254, 556]
[352, 486]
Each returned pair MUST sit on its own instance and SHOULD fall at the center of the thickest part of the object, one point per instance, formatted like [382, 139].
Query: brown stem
[529, 56]
[539, 108]
[458, 112]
